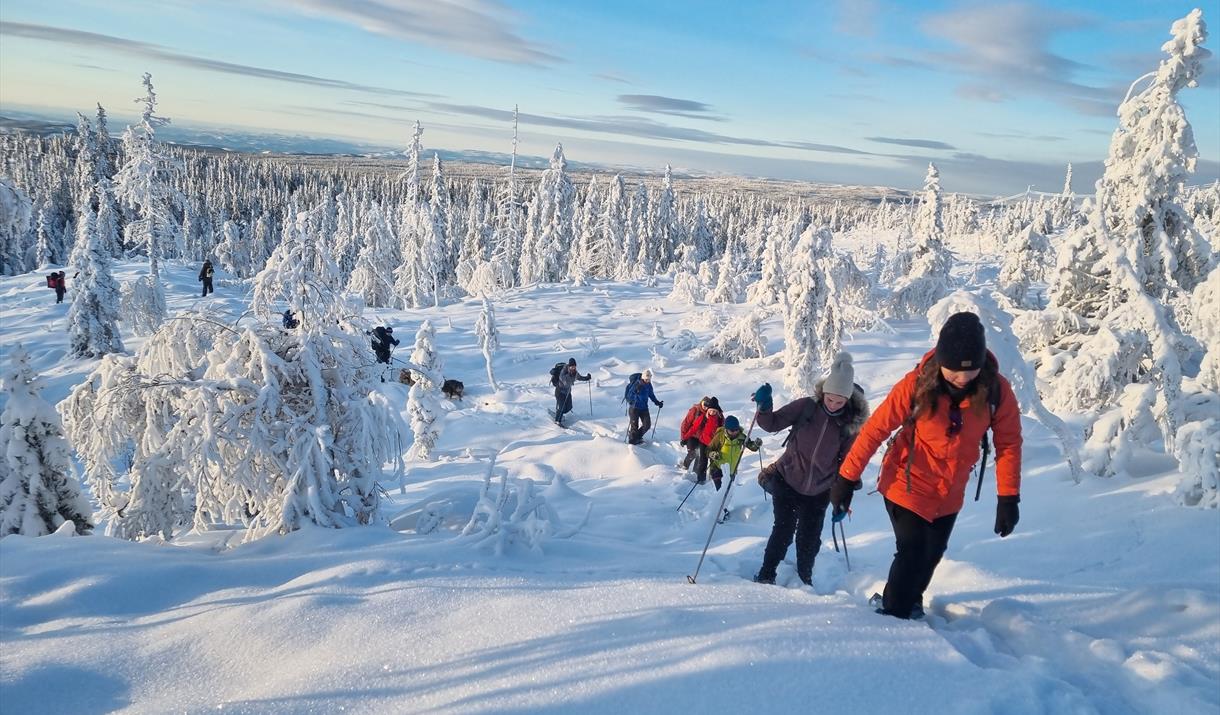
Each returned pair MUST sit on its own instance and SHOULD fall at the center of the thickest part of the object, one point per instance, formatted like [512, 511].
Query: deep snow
[1106, 599]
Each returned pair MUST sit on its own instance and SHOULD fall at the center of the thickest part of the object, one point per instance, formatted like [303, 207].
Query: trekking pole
[692, 491]
[716, 522]
[837, 520]
[654, 424]
[590, 386]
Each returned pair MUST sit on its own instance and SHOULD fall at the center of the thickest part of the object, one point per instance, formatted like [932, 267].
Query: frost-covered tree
[1026, 260]
[423, 405]
[411, 278]
[437, 255]
[286, 426]
[1121, 277]
[93, 316]
[372, 277]
[39, 492]
[929, 261]
[772, 285]
[146, 183]
[586, 255]
[489, 339]
[15, 212]
[550, 226]
[740, 340]
[813, 328]
[234, 250]
[731, 275]
[665, 234]
[636, 252]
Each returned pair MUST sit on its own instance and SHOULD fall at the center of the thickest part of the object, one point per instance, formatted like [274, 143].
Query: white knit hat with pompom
[842, 376]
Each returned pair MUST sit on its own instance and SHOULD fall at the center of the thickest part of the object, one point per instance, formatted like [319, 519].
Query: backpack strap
[993, 402]
[806, 416]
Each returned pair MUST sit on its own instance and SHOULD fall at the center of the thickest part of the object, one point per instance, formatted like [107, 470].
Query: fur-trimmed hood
[855, 411]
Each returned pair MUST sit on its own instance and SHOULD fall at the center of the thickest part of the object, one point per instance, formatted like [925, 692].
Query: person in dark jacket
[383, 339]
[61, 286]
[941, 409]
[824, 426]
[698, 428]
[205, 276]
[638, 396]
[563, 391]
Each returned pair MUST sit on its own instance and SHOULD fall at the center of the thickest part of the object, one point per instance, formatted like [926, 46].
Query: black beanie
[572, 362]
[962, 344]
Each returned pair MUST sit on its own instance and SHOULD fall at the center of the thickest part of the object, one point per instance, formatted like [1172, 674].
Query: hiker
[61, 286]
[638, 395]
[824, 425]
[943, 409]
[699, 426]
[289, 320]
[727, 447]
[383, 339]
[566, 378]
[205, 275]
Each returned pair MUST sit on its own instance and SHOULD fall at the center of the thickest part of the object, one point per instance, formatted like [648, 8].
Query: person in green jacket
[728, 444]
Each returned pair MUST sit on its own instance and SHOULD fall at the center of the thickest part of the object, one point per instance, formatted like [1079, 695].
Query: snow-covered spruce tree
[1026, 261]
[812, 326]
[550, 224]
[251, 424]
[423, 404]
[437, 256]
[146, 184]
[44, 242]
[372, 276]
[1197, 447]
[740, 340]
[507, 233]
[1124, 275]
[586, 242]
[38, 491]
[489, 339]
[636, 252]
[233, 251]
[411, 277]
[701, 238]
[772, 286]
[731, 276]
[927, 279]
[15, 212]
[93, 316]
[666, 233]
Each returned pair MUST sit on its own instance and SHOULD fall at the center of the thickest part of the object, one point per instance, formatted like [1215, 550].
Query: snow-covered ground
[1106, 599]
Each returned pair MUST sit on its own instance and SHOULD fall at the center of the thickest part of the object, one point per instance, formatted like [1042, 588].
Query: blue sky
[999, 95]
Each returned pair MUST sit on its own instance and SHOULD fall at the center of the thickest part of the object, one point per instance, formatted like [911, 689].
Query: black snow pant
[383, 355]
[563, 403]
[639, 423]
[59, 295]
[798, 514]
[920, 547]
[696, 452]
[207, 287]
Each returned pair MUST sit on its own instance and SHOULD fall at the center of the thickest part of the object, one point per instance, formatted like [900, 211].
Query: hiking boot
[917, 613]
[875, 601]
[807, 580]
[769, 580]
[716, 482]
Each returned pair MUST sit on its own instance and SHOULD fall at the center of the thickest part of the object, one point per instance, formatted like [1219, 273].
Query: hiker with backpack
[823, 428]
[563, 377]
[699, 426]
[727, 447]
[942, 410]
[57, 282]
[638, 393]
[382, 342]
[205, 276]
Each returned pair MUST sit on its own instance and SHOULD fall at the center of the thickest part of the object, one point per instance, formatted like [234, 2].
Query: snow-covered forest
[218, 432]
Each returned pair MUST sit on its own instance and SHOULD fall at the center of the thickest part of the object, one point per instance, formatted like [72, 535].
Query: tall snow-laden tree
[411, 278]
[93, 316]
[927, 278]
[437, 243]
[587, 255]
[507, 235]
[39, 492]
[372, 276]
[233, 251]
[286, 426]
[1124, 275]
[550, 226]
[489, 339]
[423, 405]
[772, 285]
[665, 229]
[1025, 262]
[635, 246]
[812, 326]
[15, 212]
[146, 183]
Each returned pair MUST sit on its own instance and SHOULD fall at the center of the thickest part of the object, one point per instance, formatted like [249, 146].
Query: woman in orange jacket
[944, 407]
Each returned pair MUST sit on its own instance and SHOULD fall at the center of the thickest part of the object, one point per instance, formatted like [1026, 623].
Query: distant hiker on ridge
[205, 275]
[564, 380]
[59, 284]
[638, 394]
[824, 426]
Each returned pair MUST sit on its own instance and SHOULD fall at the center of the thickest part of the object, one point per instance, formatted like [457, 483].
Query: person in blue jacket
[638, 396]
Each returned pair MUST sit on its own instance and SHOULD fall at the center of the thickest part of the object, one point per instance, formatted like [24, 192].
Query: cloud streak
[656, 104]
[916, 143]
[97, 41]
[476, 28]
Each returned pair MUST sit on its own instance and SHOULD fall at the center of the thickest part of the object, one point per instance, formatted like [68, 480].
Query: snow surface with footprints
[1105, 600]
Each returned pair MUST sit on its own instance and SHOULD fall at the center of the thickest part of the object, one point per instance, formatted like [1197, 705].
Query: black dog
[453, 388]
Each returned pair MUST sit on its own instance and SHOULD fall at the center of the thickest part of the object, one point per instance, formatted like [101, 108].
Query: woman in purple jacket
[823, 429]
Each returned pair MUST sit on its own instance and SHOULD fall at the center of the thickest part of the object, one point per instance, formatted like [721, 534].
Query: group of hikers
[936, 420]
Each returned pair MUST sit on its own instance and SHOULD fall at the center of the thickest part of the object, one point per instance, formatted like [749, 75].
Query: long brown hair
[929, 385]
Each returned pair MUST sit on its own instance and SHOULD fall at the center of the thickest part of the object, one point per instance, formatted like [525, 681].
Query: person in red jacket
[942, 408]
[698, 428]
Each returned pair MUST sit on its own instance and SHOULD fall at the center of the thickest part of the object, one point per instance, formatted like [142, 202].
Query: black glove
[1007, 514]
[840, 494]
[660, 404]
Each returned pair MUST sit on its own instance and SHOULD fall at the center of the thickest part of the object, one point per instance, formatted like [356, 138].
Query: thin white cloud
[657, 104]
[859, 18]
[477, 28]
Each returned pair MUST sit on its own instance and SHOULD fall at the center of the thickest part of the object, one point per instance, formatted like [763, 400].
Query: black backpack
[633, 381]
[559, 366]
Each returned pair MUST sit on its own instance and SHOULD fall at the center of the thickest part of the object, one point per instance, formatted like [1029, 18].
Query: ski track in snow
[1105, 600]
